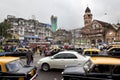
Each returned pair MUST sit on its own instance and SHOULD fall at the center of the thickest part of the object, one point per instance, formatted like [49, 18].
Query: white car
[61, 59]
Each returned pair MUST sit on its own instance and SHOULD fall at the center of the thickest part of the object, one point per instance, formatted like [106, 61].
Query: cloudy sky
[69, 12]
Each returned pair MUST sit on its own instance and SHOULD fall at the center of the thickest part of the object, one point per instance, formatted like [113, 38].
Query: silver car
[62, 59]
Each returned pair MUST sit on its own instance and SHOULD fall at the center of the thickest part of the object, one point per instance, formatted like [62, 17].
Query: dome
[87, 10]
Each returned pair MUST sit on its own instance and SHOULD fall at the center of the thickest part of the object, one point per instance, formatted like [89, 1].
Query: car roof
[92, 49]
[69, 51]
[106, 60]
[113, 47]
[5, 59]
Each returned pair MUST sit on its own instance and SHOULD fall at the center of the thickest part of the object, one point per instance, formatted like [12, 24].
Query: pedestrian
[29, 57]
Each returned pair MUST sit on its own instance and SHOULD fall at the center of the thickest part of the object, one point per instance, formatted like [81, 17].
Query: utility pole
[74, 38]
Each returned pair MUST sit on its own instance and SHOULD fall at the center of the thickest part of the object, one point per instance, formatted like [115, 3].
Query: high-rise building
[53, 23]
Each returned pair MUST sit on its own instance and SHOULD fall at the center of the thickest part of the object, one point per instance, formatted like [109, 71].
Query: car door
[57, 61]
[71, 60]
[64, 59]
[99, 72]
[116, 73]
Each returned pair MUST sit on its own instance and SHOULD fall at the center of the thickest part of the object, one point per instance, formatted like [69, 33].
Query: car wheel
[45, 67]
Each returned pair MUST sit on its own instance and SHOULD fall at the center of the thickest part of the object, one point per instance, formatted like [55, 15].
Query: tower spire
[87, 17]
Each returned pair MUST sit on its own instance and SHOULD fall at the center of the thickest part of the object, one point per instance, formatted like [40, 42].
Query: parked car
[97, 68]
[61, 59]
[19, 52]
[91, 52]
[12, 68]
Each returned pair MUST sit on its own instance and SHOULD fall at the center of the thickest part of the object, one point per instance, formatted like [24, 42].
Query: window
[94, 53]
[102, 68]
[65, 56]
[115, 50]
[87, 52]
[59, 56]
[70, 56]
[14, 66]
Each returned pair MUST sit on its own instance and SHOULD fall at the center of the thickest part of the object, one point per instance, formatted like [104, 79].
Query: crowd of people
[9, 48]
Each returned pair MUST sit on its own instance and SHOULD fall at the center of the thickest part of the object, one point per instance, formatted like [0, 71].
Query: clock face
[95, 26]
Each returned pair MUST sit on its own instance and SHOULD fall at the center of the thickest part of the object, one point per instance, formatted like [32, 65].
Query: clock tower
[87, 17]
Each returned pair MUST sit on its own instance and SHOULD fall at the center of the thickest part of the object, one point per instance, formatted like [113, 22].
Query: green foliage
[1, 49]
[4, 26]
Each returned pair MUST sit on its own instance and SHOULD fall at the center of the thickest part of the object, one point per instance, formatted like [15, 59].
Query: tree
[4, 27]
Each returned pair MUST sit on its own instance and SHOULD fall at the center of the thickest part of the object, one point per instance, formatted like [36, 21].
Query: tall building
[87, 17]
[53, 23]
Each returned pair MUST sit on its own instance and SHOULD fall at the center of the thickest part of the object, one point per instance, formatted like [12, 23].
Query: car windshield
[14, 65]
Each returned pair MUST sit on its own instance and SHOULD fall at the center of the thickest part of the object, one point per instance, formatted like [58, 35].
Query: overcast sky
[69, 12]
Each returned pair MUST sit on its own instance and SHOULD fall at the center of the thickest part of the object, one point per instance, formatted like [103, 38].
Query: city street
[50, 75]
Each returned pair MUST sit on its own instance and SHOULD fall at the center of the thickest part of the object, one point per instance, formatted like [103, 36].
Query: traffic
[87, 64]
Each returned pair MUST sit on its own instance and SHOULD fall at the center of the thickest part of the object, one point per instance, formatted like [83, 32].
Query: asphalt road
[50, 75]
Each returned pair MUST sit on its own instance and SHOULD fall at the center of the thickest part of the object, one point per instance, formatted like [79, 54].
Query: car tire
[45, 67]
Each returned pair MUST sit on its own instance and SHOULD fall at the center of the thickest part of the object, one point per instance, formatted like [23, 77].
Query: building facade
[98, 32]
[22, 28]
[61, 36]
[76, 37]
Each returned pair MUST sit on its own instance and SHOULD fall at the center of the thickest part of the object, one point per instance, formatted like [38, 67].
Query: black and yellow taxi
[21, 49]
[112, 45]
[19, 52]
[114, 50]
[97, 68]
[91, 51]
[13, 68]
